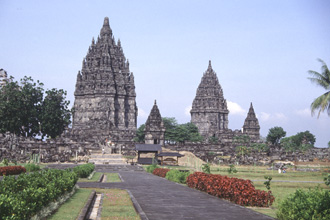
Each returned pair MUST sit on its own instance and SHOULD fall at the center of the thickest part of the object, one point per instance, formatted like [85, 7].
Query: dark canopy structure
[148, 148]
[169, 159]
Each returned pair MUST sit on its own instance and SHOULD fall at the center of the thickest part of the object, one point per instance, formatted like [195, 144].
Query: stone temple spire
[105, 105]
[209, 109]
[251, 125]
[106, 30]
[155, 129]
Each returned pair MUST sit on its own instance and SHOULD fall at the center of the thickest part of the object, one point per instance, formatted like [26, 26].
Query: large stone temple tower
[105, 106]
[209, 109]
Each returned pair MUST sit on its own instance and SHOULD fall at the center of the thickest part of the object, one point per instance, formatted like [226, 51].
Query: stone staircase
[111, 159]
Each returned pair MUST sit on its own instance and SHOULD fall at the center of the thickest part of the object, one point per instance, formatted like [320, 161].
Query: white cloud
[187, 110]
[264, 116]
[142, 113]
[235, 108]
[304, 112]
[272, 117]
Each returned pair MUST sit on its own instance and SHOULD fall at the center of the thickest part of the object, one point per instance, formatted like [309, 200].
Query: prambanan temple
[105, 106]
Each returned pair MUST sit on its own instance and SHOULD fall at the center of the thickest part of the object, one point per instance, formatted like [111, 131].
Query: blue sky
[260, 50]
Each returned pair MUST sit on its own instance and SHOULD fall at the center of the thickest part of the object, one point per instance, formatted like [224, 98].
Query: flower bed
[26, 195]
[239, 191]
[12, 170]
[160, 172]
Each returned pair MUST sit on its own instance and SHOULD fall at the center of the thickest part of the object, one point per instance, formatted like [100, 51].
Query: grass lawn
[71, 208]
[112, 177]
[95, 178]
[258, 173]
[117, 204]
[280, 190]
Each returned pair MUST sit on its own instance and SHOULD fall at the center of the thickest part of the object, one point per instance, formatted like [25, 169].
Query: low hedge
[31, 167]
[177, 176]
[83, 171]
[24, 196]
[12, 170]
[303, 204]
[160, 172]
[239, 191]
[151, 168]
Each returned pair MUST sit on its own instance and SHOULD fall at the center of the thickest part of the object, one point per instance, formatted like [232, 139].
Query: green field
[280, 190]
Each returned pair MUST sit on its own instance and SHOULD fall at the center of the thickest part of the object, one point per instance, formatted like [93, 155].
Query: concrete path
[163, 199]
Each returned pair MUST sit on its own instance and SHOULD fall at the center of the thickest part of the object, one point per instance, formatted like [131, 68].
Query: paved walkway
[162, 199]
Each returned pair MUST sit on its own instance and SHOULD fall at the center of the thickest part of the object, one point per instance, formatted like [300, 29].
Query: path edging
[83, 213]
[137, 206]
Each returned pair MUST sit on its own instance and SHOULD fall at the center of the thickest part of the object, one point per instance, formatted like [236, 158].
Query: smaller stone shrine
[251, 125]
[155, 129]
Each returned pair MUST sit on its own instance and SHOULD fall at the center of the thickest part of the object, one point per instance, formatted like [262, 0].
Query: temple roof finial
[106, 28]
[210, 66]
[155, 102]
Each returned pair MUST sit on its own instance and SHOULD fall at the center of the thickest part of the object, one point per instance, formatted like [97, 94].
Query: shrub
[83, 171]
[239, 191]
[311, 204]
[31, 167]
[206, 168]
[232, 169]
[24, 196]
[327, 180]
[177, 176]
[151, 168]
[160, 172]
[11, 170]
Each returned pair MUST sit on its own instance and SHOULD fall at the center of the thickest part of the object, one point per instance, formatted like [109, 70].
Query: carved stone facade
[210, 112]
[209, 109]
[155, 129]
[251, 125]
[105, 105]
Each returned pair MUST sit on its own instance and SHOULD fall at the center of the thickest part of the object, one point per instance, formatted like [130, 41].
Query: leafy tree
[322, 79]
[140, 134]
[23, 109]
[20, 107]
[275, 134]
[329, 144]
[170, 126]
[55, 115]
[194, 135]
[304, 138]
[301, 141]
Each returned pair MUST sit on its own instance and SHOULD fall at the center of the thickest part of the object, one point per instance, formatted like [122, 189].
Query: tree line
[27, 110]
[175, 133]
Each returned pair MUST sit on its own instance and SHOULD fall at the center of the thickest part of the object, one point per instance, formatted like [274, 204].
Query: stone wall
[225, 154]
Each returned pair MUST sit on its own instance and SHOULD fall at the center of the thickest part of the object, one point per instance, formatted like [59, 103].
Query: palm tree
[322, 79]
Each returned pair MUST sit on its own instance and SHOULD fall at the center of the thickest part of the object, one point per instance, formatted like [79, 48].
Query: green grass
[71, 208]
[258, 173]
[112, 177]
[280, 190]
[117, 204]
[95, 178]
